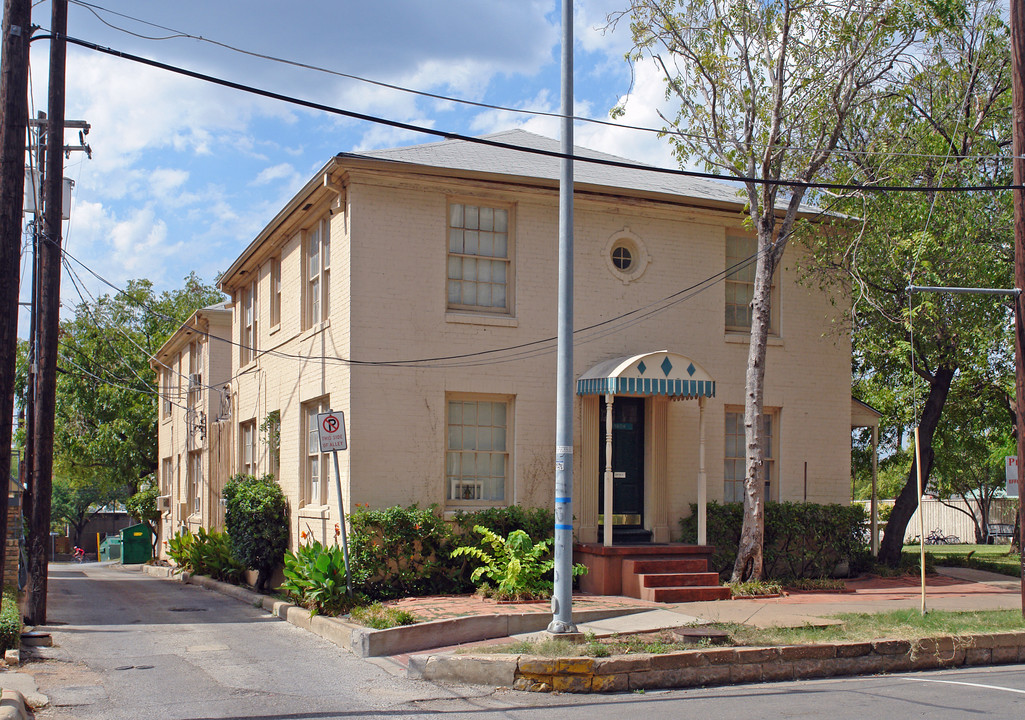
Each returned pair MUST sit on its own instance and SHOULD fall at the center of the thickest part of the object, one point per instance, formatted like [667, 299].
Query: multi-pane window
[250, 319]
[275, 291]
[741, 252]
[318, 272]
[736, 456]
[316, 468]
[195, 378]
[167, 404]
[166, 476]
[247, 443]
[194, 483]
[478, 257]
[477, 459]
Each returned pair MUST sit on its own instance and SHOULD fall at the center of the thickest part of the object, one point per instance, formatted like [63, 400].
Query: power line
[621, 164]
[181, 34]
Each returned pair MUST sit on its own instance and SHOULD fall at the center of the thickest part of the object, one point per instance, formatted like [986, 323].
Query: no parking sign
[331, 431]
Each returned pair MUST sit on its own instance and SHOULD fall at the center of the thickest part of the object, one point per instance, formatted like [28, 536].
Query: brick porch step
[685, 594]
[699, 579]
[665, 565]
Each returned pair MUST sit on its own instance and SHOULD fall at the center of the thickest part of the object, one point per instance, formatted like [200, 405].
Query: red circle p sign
[331, 431]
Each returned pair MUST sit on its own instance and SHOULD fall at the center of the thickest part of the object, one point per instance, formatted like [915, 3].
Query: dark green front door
[627, 462]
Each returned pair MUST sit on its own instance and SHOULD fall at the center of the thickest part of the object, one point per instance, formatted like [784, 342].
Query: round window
[622, 258]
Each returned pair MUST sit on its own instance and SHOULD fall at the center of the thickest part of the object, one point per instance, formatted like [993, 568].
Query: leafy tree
[765, 90]
[946, 125]
[143, 507]
[76, 500]
[106, 396]
[256, 520]
[971, 444]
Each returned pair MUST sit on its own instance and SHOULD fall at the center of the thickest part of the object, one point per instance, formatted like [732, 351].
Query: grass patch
[992, 558]
[756, 588]
[10, 621]
[895, 625]
[379, 617]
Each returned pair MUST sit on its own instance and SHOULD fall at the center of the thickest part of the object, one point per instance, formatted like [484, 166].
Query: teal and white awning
[653, 373]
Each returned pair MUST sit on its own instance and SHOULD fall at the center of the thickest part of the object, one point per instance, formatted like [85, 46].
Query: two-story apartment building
[194, 426]
[415, 290]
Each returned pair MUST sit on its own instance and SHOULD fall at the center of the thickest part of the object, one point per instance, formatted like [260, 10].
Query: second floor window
[275, 291]
[250, 318]
[318, 272]
[478, 258]
[741, 256]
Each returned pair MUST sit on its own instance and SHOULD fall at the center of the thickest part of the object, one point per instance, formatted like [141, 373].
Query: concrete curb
[719, 666]
[12, 706]
[366, 642]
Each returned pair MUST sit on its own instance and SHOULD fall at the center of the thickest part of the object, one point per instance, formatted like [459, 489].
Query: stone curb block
[720, 666]
[12, 706]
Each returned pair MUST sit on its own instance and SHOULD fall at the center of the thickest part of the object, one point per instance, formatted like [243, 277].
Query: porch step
[686, 594]
[663, 565]
[679, 579]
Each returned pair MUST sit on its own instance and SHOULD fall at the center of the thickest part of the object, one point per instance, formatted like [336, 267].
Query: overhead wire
[181, 34]
[447, 135]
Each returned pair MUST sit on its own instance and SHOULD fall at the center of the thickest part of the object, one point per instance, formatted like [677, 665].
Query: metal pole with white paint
[562, 597]
[331, 435]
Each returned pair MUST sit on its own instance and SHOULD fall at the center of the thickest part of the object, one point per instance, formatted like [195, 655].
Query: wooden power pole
[48, 324]
[13, 120]
[1018, 148]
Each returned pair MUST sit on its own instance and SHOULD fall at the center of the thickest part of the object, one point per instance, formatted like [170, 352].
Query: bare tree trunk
[907, 502]
[748, 565]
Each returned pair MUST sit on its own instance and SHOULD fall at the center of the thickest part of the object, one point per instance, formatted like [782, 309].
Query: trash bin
[136, 544]
[110, 548]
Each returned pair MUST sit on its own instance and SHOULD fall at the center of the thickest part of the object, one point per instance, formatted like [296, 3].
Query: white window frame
[247, 447]
[166, 476]
[316, 465]
[275, 291]
[194, 482]
[739, 286]
[250, 322]
[167, 405]
[735, 453]
[473, 454]
[476, 234]
[317, 272]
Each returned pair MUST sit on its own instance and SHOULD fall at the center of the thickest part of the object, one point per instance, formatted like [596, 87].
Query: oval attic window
[622, 258]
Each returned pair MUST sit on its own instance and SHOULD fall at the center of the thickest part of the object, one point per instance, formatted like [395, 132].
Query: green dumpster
[136, 544]
[110, 548]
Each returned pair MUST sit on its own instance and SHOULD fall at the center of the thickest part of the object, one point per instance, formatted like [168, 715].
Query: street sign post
[1011, 476]
[331, 434]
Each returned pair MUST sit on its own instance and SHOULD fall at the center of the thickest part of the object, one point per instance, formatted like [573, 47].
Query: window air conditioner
[195, 381]
[164, 503]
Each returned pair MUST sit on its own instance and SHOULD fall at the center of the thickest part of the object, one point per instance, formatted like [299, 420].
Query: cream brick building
[415, 290]
[194, 422]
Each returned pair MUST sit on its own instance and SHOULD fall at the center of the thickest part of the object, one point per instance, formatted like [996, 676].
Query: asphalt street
[128, 645]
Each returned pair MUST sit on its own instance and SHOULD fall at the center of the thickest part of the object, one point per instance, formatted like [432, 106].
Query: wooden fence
[951, 521]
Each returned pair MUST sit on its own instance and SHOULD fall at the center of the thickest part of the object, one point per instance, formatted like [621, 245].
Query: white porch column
[607, 509]
[702, 478]
[874, 508]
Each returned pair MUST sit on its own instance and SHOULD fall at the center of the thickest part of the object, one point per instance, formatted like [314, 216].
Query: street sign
[331, 431]
[1011, 475]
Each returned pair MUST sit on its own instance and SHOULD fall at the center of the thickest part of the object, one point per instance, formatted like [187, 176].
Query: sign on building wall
[1011, 475]
[331, 431]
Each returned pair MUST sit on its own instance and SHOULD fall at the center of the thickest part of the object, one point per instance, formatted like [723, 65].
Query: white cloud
[281, 171]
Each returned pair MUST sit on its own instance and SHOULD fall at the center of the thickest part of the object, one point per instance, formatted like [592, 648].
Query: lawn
[896, 625]
[994, 558]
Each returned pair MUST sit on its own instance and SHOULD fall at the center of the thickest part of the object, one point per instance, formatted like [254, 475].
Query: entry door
[627, 462]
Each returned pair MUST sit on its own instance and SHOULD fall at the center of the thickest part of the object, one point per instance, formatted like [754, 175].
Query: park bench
[999, 530]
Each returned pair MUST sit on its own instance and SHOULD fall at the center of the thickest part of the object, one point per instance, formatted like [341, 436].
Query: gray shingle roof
[473, 157]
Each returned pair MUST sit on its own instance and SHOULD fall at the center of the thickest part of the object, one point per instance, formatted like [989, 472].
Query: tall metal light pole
[562, 597]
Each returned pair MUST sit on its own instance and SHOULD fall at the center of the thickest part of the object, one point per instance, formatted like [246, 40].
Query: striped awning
[653, 373]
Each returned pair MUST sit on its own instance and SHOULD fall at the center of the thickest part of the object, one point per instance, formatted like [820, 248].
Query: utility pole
[1018, 147]
[48, 324]
[16, 30]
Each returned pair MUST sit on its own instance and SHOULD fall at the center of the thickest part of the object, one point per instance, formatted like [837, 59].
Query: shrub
[537, 522]
[143, 506]
[10, 620]
[257, 523]
[397, 552]
[801, 539]
[519, 567]
[205, 553]
[315, 579]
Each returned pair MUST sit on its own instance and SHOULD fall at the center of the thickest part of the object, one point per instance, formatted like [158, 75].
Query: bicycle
[79, 555]
[936, 537]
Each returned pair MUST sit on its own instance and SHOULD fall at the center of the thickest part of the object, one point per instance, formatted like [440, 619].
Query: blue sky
[184, 174]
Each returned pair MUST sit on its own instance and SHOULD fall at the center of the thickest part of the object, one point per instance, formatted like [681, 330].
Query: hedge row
[802, 540]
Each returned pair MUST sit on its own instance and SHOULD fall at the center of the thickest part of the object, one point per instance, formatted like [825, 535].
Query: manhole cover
[186, 609]
[697, 634]
[134, 667]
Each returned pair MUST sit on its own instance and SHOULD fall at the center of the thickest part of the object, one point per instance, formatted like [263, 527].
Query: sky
[184, 174]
